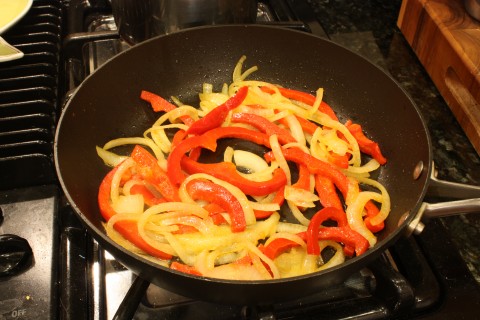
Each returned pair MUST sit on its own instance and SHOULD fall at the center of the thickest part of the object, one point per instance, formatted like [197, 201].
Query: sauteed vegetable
[207, 190]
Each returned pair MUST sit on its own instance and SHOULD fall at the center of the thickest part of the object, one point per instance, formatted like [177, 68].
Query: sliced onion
[111, 159]
[296, 129]
[326, 121]
[265, 206]
[143, 141]
[121, 169]
[300, 197]
[159, 136]
[318, 101]
[228, 154]
[355, 215]
[118, 238]
[332, 142]
[266, 113]
[277, 153]
[298, 214]
[267, 260]
[172, 116]
[363, 171]
[238, 75]
[385, 200]
[212, 100]
[292, 263]
[249, 160]
[204, 226]
[338, 257]
[260, 267]
[317, 149]
[290, 227]
[234, 271]
[132, 204]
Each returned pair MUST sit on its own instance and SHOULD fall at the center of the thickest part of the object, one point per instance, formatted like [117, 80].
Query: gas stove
[55, 270]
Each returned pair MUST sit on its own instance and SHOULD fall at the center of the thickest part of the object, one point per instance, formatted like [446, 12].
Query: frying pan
[107, 105]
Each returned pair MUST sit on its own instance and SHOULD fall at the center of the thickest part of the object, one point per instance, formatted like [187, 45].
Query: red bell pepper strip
[160, 104]
[305, 98]
[174, 169]
[307, 126]
[148, 168]
[264, 125]
[208, 141]
[315, 166]
[178, 137]
[148, 197]
[212, 192]
[104, 195]
[278, 246]
[329, 213]
[128, 229]
[185, 268]
[327, 193]
[350, 238]
[215, 211]
[342, 233]
[227, 171]
[240, 133]
[372, 211]
[303, 181]
[365, 144]
[338, 160]
[183, 228]
[215, 118]
[245, 260]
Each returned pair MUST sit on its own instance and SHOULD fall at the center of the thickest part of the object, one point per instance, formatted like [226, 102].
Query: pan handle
[441, 209]
[469, 194]
[441, 189]
[449, 208]
[469, 203]
[437, 188]
[446, 189]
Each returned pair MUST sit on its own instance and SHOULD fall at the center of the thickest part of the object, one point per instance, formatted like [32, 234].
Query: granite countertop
[369, 28]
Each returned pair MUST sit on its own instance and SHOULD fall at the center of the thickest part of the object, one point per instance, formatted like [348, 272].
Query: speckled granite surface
[369, 28]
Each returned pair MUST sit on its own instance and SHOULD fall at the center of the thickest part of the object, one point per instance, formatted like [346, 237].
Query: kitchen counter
[369, 28]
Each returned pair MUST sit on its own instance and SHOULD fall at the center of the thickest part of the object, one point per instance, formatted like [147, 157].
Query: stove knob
[16, 255]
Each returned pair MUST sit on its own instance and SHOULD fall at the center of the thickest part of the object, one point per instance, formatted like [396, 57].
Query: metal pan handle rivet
[416, 226]
[417, 172]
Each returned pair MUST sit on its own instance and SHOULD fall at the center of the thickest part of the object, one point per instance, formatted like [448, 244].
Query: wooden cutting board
[447, 42]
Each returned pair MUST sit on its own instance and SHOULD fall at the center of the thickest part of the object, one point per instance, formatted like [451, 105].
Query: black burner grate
[29, 98]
